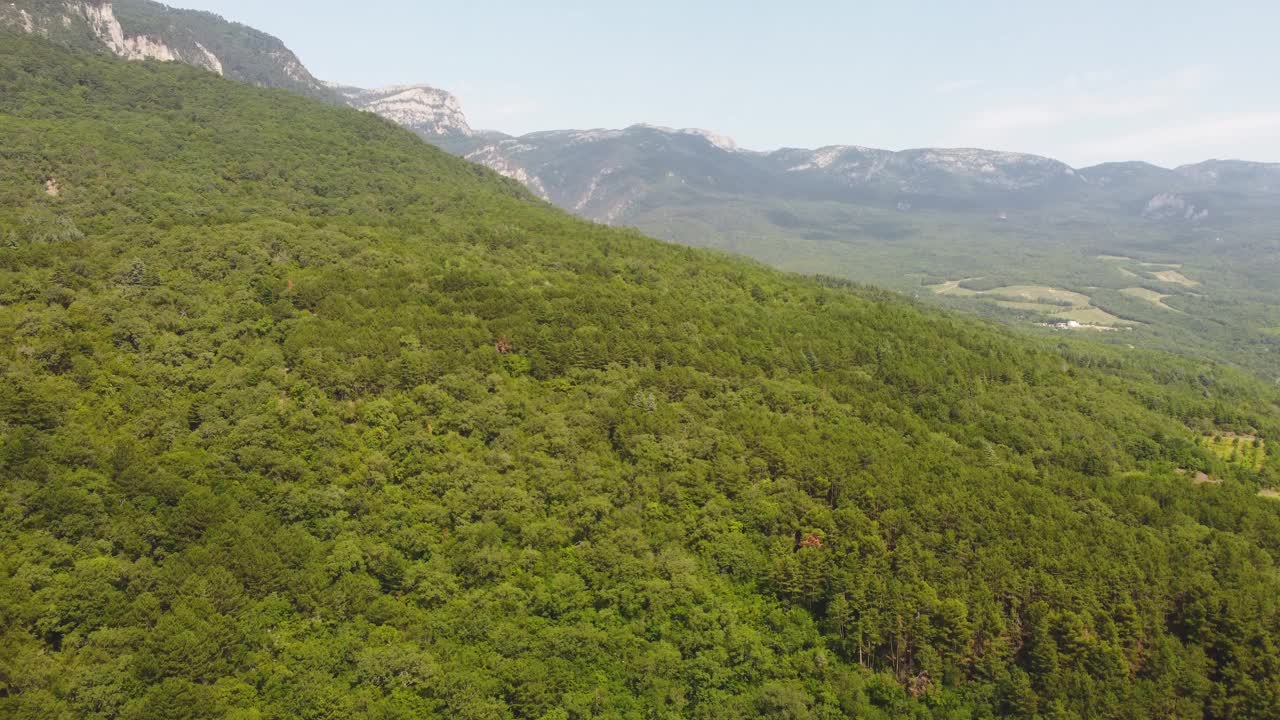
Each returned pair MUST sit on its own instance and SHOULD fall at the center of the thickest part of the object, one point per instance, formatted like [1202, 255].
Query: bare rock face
[500, 158]
[145, 30]
[425, 110]
[99, 18]
[1172, 206]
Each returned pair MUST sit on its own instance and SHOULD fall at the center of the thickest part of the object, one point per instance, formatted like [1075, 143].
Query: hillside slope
[920, 220]
[1182, 260]
[304, 418]
[146, 30]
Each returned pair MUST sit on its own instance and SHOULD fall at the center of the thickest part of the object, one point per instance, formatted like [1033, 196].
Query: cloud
[1067, 110]
[512, 115]
[518, 108]
[1086, 96]
[1189, 79]
[1093, 117]
[1214, 132]
[957, 86]
[1080, 81]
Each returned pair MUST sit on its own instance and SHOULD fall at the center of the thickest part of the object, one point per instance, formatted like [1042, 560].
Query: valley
[1052, 304]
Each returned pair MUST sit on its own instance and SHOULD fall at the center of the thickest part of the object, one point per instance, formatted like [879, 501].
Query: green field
[1150, 296]
[1041, 301]
[1245, 450]
[1173, 276]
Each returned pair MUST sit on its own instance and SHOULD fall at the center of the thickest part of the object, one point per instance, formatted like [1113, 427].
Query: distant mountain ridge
[1186, 259]
[612, 175]
[604, 174]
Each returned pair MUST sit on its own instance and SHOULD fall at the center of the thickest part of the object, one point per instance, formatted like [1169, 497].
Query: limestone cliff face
[145, 30]
[97, 21]
[423, 109]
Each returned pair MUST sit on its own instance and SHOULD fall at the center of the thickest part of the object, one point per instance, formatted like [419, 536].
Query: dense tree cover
[1230, 315]
[302, 418]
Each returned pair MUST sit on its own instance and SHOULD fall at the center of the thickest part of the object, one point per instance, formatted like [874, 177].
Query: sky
[1084, 81]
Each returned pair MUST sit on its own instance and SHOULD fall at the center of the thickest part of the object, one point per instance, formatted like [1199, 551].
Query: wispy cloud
[957, 86]
[1019, 116]
[1218, 131]
[1189, 79]
[1091, 117]
[511, 115]
[1090, 96]
[518, 108]
[502, 107]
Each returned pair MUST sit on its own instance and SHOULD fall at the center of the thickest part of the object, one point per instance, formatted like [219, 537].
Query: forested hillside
[922, 221]
[141, 29]
[1179, 260]
[304, 418]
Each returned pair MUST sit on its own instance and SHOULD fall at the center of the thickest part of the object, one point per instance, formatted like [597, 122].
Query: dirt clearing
[1173, 276]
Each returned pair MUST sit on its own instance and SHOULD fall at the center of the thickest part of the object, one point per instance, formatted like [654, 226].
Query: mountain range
[914, 220]
[606, 175]
[610, 175]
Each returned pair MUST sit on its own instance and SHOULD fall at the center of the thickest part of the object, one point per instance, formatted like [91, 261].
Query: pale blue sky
[1085, 81]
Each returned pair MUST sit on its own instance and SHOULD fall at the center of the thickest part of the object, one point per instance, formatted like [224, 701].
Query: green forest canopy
[303, 418]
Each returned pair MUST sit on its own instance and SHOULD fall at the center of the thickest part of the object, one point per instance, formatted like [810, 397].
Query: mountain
[144, 30]
[942, 173]
[1237, 175]
[600, 173]
[1128, 174]
[303, 417]
[1182, 259]
[425, 110]
[605, 174]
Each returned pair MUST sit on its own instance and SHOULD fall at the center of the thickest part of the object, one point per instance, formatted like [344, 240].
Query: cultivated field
[1173, 276]
[1043, 300]
[1150, 296]
[1042, 292]
[1092, 316]
[1245, 450]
